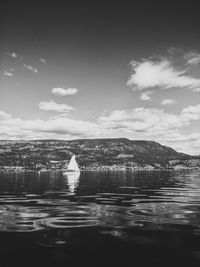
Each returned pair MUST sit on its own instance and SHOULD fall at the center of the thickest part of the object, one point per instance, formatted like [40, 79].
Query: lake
[100, 218]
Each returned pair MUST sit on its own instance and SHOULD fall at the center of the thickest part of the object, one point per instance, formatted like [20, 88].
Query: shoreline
[103, 170]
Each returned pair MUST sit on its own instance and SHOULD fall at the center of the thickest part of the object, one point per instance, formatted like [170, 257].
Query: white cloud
[63, 126]
[54, 127]
[150, 74]
[192, 109]
[168, 102]
[4, 115]
[145, 96]
[64, 92]
[13, 55]
[189, 144]
[192, 58]
[157, 125]
[150, 119]
[8, 73]
[141, 120]
[53, 106]
[42, 60]
[190, 113]
[28, 67]
[137, 123]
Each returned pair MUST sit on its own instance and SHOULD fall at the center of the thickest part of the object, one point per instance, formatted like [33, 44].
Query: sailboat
[73, 166]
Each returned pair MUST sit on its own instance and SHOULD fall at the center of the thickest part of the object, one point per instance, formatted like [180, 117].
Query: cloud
[157, 125]
[189, 143]
[192, 58]
[64, 92]
[150, 74]
[137, 123]
[54, 127]
[145, 96]
[141, 120]
[13, 55]
[150, 119]
[63, 126]
[196, 90]
[168, 102]
[4, 115]
[42, 60]
[53, 106]
[28, 67]
[8, 73]
[190, 113]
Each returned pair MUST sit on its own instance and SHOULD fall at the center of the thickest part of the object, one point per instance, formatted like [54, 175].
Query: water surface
[145, 212]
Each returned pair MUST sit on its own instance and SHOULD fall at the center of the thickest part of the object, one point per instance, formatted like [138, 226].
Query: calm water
[153, 217]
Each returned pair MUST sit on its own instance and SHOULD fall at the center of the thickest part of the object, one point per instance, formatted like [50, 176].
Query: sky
[101, 70]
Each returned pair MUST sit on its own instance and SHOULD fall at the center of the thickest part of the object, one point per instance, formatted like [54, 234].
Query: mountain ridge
[94, 153]
[91, 140]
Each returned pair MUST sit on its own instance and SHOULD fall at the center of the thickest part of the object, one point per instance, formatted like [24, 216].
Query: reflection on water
[72, 180]
[31, 201]
[155, 215]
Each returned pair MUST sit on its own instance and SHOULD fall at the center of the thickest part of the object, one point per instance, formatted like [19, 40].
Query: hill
[89, 152]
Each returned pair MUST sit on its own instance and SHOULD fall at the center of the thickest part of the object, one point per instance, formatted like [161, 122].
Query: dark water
[100, 219]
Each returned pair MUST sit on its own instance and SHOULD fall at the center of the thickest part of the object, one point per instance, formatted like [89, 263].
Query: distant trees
[95, 152]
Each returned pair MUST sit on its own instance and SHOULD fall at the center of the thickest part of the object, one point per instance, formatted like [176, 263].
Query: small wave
[69, 222]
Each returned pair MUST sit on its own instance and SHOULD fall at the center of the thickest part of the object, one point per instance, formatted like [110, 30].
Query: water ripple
[33, 204]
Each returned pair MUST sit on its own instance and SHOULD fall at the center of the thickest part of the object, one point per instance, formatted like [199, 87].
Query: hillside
[89, 152]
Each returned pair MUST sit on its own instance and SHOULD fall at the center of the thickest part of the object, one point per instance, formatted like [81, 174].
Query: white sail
[73, 166]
